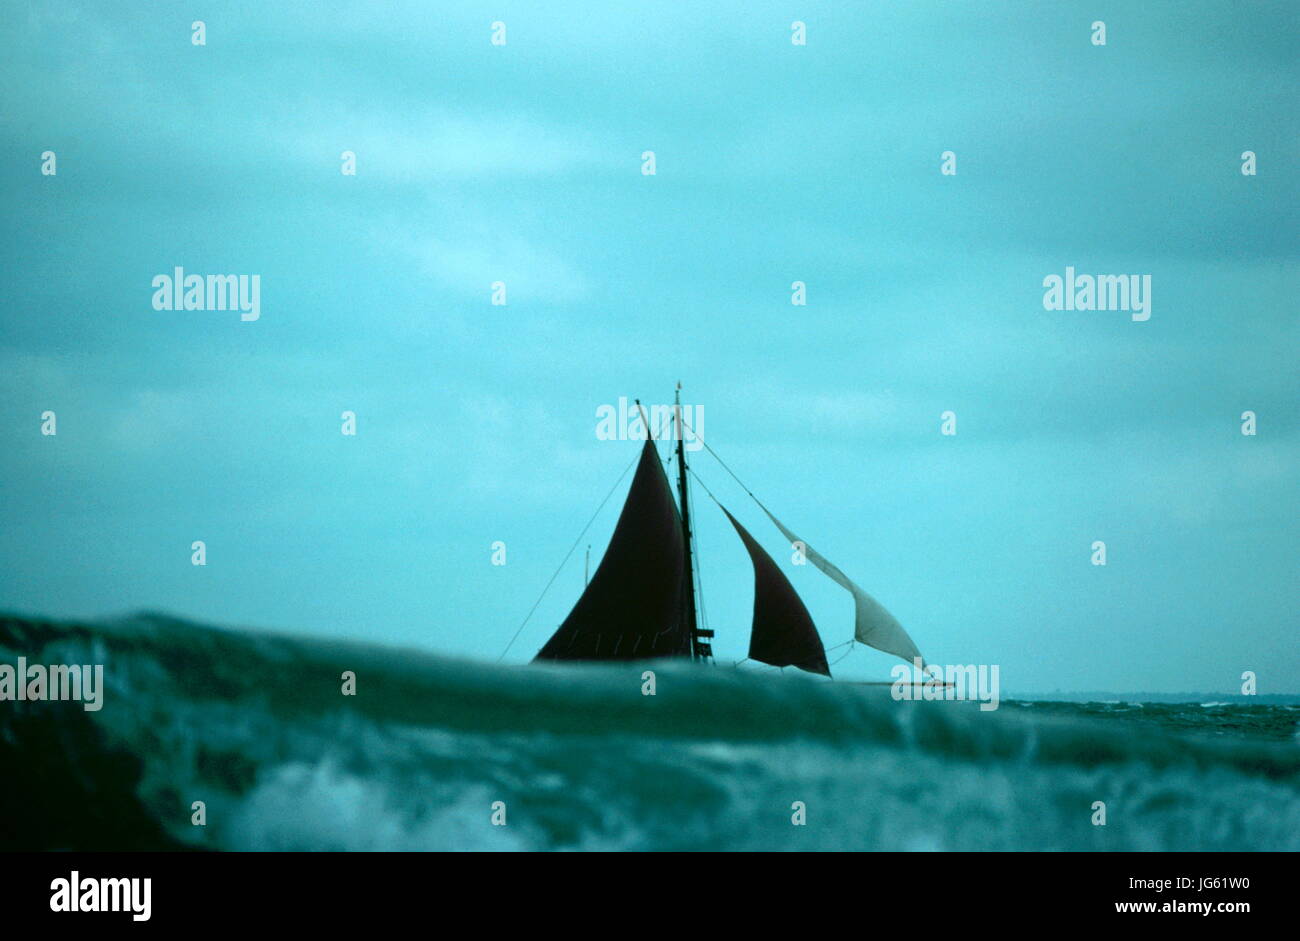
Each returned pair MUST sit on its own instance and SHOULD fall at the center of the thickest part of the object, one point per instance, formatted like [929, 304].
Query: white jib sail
[873, 625]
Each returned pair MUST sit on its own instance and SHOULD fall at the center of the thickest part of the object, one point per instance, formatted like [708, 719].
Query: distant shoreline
[1236, 699]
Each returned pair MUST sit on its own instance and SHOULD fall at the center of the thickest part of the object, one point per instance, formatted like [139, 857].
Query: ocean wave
[254, 725]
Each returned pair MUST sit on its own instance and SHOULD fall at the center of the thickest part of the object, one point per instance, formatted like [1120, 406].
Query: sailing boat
[640, 603]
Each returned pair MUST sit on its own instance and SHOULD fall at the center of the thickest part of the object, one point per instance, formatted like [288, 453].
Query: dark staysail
[632, 609]
[783, 633]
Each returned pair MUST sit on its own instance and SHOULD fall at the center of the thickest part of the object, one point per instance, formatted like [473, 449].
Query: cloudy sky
[775, 163]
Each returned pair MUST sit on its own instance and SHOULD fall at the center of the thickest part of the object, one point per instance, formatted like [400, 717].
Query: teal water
[255, 726]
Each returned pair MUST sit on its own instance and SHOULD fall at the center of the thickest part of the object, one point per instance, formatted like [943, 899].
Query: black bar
[918, 889]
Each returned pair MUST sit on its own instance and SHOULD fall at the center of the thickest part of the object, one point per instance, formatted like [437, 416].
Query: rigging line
[576, 542]
[571, 548]
[838, 659]
[709, 448]
[724, 510]
[706, 487]
[699, 563]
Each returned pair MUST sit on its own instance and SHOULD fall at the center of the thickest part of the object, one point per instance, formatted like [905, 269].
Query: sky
[774, 163]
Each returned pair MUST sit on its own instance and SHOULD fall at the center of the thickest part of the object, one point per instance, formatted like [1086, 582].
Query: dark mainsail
[783, 633]
[633, 607]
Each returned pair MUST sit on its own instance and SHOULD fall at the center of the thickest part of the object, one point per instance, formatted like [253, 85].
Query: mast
[701, 648]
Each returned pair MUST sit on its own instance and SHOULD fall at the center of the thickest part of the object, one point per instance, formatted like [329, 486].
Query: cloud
[398, 147]
[470, 261]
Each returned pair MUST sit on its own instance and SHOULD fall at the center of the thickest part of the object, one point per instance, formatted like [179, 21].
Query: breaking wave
[254, 725]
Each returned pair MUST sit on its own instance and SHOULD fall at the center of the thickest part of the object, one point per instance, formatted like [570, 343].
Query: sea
[219, 739]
